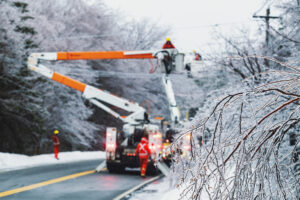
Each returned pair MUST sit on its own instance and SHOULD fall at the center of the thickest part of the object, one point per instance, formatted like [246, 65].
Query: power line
[212, 25]
[267, 3]
[267, 17]
[83, 37]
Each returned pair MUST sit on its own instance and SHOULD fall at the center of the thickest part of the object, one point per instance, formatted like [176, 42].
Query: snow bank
[159, 189]
[10, 161]
[171, 194]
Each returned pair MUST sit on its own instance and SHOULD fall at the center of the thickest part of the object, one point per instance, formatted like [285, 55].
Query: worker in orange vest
[167, 60]
[56, 143]
[143, 151]
[168, 44]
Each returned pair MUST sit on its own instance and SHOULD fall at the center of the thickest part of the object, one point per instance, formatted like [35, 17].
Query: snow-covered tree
[39, 105]
[20, 116]
[253, 124]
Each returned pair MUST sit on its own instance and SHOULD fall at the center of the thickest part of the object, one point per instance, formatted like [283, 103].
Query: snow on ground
[10, 161]
[160, 190]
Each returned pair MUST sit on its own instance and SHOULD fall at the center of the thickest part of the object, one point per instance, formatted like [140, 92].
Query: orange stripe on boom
[100, 55]
[68, 82]
[158, 118]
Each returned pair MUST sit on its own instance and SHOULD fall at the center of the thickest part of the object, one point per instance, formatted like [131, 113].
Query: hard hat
[168, 39]
[56, 132]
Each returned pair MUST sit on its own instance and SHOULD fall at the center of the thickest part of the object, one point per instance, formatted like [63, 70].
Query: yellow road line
[56, 180]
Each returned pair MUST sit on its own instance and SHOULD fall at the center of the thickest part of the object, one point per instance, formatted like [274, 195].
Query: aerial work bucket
[179, 62]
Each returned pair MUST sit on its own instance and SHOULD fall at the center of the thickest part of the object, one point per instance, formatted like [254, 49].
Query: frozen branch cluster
[250, 129]
[247, 155]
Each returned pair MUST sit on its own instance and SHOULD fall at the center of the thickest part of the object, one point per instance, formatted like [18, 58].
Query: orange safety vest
[197, 56]
[55, 140]
[168, 45]
[143, 149]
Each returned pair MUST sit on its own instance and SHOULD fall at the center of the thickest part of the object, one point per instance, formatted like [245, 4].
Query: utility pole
[267, 17]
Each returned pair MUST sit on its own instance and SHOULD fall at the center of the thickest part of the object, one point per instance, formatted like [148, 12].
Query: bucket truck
[120, 148]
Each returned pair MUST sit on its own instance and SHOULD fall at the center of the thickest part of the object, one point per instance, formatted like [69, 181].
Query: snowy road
[91, 186]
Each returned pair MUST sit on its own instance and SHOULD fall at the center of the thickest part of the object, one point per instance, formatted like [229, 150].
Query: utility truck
[120, 147]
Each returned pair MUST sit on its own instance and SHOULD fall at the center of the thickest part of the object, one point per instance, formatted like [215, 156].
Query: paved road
[92, 186]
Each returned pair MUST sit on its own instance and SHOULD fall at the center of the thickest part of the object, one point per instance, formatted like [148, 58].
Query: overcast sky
[192, 20]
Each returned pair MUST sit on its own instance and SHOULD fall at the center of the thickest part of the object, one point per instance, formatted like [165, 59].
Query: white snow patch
[160, 190]
[171, 194]
[9, 161]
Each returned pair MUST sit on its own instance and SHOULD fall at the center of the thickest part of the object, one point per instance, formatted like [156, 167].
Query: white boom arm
[174, 111]
[174, 62]
[94, 95]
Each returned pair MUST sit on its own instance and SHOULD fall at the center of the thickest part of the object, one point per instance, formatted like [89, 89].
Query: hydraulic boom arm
[174, 111]
[94, 95]
[89, 55]
[98, 96]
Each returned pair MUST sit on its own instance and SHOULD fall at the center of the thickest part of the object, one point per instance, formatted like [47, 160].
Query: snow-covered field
[159, 190]
[9, 161]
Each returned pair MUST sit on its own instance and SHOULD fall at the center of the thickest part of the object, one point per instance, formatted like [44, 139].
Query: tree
[250, 154]
[18, 114]
[141, 35]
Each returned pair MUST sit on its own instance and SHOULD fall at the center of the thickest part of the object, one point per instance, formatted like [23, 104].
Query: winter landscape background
[245, 92]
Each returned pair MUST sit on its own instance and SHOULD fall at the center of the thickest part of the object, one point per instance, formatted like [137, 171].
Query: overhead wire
[103, 73]
[211, 25]
[267, 4]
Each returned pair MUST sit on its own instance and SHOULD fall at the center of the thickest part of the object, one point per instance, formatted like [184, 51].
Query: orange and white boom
[94, 95]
